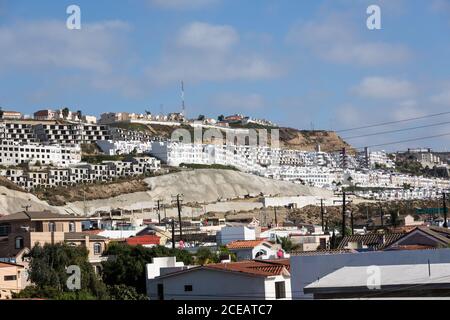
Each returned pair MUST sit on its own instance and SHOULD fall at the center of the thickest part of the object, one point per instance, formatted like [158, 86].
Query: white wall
[210, 285]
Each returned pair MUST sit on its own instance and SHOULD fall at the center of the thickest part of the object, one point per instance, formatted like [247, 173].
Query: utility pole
[351, 222]
[445, 209]
[382, 215]
[344, 209]
[172, 221]
[322, 214]
[276, 218]
[178, 201]
[159, 213]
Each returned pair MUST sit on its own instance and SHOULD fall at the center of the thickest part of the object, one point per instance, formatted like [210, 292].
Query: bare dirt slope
[207, 185]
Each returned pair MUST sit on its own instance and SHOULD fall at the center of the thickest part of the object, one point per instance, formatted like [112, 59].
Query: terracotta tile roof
[254, 267]
[244, 244]
[374, 240]
[143, 240]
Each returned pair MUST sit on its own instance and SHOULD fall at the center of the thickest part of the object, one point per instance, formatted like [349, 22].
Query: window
[51, 227]
[280, 290]
[71, 226]
[5, 229]
[97, 248]
[10, 278]
[19, 242]
[188, 288]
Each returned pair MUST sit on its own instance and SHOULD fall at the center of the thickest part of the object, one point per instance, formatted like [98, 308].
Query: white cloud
[183, 4]
[384, 88]
[206, 52]
[334, 39]
[238, 101]
[205, 36]
[43, 44]
[442, 98]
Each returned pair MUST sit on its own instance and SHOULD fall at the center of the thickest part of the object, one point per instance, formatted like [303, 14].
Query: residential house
[255, 249]
[26, 229]
[12, 279]
[246, 280]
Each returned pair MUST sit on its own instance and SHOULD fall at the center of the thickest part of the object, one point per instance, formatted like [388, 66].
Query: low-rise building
[246, 280]
[12, 279]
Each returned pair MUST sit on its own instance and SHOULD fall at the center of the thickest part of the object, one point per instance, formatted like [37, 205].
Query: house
[23, 230]
[369, 241]
[422, 237]
[233, 233]
[248, 280]
[9, 115]
[144, 240]
[255, 249]
[366, 282]
[12, 279]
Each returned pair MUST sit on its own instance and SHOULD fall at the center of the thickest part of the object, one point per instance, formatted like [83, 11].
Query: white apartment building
[13, 154]
[81, 173]
[118, 147]
[16, 131]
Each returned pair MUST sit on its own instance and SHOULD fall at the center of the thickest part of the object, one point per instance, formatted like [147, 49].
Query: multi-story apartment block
[120, 134]
[19, 132]
[117, 147]
[59, 133]
[71, 133]
[13, 154]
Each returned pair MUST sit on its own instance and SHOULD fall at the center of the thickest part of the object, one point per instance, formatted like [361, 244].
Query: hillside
[290, 138]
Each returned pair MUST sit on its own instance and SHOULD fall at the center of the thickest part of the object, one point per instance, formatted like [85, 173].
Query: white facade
[13, 154]
[229, 234]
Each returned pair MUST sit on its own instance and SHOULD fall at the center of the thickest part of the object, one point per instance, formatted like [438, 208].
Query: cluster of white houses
[80, 173]
[319, 169]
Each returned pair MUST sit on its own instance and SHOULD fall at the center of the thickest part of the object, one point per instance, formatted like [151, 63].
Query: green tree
[287, 244]
[128, 265]
[49, 277]
[201, 117]
[123, 292]
[65, 112]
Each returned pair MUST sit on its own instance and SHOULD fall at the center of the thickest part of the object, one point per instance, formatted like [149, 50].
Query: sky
[302, 64]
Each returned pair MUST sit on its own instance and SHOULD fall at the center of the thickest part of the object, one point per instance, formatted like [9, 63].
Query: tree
[49, 277]
[394, 218]
[123, 292]
[79, 114]
[201, 117]
[221, 117]
[65, 113]
[128, 265]
[287, 244]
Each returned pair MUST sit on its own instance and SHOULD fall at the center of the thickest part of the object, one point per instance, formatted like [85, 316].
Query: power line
[394, 122]
[407, 140]
[397, 130]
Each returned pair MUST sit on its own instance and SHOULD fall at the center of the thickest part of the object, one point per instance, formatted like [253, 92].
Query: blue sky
[301, 64]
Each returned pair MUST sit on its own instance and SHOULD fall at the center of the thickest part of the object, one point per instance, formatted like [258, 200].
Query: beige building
[11, 279]
[23, 230]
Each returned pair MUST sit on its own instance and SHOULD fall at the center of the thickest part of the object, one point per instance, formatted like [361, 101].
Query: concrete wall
[307, 269]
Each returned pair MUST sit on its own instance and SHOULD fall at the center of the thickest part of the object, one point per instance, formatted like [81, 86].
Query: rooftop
[244, 244]
[38, 215]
